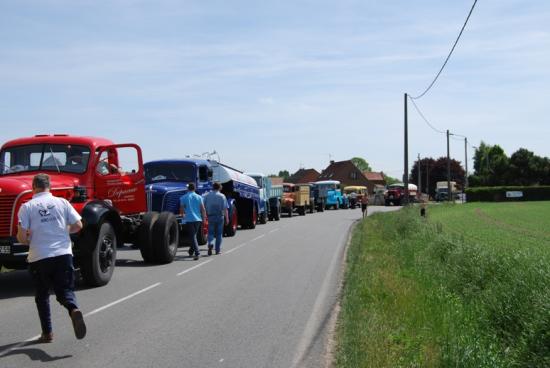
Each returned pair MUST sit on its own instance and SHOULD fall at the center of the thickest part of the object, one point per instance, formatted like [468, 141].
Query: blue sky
[276, 85]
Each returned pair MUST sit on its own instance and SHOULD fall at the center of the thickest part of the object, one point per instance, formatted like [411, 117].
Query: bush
[498, 194]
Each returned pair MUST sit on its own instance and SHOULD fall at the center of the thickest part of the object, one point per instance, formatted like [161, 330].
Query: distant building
[375, 179]
[345, 172]
[304, 176]
[275, 180]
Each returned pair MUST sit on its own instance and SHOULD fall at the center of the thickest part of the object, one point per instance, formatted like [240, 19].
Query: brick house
[304, 176]
[345, 172]
[374, 179]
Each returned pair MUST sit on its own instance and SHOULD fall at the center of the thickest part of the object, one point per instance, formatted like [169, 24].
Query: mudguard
[94, 214]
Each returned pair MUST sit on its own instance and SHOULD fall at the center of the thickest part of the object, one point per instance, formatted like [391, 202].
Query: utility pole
[428, 180]
[406, 156]
[466, 162]
[449, 194]
[419, 176]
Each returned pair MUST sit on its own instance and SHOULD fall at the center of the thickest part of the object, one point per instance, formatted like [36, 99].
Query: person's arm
[203, 211]
[225, 211]
[76, 227]
[23, 227]
[23, 235]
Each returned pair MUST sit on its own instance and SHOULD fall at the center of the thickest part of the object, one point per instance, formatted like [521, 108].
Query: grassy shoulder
[442, 292]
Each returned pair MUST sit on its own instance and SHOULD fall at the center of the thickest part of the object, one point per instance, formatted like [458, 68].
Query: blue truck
[332, 193]
[270, 198]
[166, 181]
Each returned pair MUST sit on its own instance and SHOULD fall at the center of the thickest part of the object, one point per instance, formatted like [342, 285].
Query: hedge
[498, 194]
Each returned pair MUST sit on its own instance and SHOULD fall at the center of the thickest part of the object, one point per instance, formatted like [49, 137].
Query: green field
[468, 286]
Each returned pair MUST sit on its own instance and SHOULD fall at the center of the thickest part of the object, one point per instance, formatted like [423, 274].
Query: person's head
[217, 186]
[41, 183]
[191, 187]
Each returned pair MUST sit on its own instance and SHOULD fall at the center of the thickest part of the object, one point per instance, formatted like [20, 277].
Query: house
[304, 176]
[275, 180]
[375, 179]
[345, 172]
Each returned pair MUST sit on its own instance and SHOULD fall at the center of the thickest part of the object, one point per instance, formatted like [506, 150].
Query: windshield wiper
[55, 161]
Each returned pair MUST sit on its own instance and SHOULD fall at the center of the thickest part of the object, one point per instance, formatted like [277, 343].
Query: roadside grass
[459, 289]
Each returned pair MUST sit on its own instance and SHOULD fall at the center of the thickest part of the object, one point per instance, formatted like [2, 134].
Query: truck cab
[270, 198]
[166, 182]
[334, 198]
[103, 181]
[355, 193]
[296, 197]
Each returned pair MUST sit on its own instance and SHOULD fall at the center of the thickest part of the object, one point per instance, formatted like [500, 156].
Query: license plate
[5, 249]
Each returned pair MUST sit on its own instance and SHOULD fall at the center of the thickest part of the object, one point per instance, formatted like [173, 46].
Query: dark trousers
[192, 229]
[55, 273]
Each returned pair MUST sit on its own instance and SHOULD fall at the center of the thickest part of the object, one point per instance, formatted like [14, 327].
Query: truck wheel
[311, 207]
[231, 228]
[202, 238]
[277, 213]
[165, 237]
[321, 206]
[144, 236]
[99, 256]
[253, 219]
[263, 218]
[302, 210]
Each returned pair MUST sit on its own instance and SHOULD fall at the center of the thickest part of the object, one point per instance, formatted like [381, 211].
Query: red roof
[303, 176]
[373, 176]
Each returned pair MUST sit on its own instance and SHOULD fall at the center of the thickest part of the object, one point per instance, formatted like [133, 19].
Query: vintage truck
[396, 193]
[442, 191]
[355, 193]
[167, 181]
[334, 198]
[270, 198]
[104, 182]
[296, 198]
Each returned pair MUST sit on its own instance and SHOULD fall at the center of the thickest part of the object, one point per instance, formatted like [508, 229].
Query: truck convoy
[355, 193]
[111, 200]
[270, 198]
[166, 182]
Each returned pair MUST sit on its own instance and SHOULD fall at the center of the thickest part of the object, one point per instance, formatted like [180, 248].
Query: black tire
[165, 237]
[253, 218]
[144, 236]
[98, 257]
[321, 206]
[202, 238]
[263, 218]
[302, 210]
[311, 207]
[231, 228]
[277, 213]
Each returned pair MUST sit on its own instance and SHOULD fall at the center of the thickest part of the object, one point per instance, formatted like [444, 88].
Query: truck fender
[94, 214]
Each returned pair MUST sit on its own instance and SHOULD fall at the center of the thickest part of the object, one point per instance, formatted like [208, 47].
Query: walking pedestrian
[364, 203]
[193, 212]
[216, 211]
[44, 224]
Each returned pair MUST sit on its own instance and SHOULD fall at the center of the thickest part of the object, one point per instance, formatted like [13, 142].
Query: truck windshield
[44, 157]
[169, 171]
[258, 180]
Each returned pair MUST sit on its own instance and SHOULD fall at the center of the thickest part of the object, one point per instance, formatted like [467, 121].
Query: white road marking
[258, 237]
[17, 346]
[122, 299]
[316, 316]
[237, 247]
[194, 267]
[221, 360]
[272, 231]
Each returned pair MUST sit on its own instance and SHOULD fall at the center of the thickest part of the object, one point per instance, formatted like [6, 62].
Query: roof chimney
[331, 162]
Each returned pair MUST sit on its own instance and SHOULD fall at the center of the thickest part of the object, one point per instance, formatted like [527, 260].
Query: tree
[284, 174]
[437, 171]
[491, 166]
[361, 164]
[390, 180]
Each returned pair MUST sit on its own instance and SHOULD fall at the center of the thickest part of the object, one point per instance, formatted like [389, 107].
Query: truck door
[119, 177]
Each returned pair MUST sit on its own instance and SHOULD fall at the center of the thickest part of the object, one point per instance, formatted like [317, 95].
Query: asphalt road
[264, 302]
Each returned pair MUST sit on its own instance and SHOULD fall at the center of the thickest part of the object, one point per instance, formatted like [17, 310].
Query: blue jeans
[192, 228]
[56, 273]
[215, 230]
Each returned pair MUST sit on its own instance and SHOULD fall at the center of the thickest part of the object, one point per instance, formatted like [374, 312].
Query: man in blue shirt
[192, 210]
[216, 210]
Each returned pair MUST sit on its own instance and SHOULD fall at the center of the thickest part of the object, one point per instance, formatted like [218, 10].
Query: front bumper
[13, 254]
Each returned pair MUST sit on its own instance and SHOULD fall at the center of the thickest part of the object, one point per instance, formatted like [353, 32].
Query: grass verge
[420, 294]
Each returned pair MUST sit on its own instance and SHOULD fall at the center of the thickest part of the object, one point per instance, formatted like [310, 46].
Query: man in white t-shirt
[45, 223]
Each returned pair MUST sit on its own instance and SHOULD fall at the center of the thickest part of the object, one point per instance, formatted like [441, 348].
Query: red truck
[396, 193]
[104, 182]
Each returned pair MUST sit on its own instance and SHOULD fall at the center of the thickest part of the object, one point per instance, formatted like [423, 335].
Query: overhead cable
[448, 56]
[426, 120]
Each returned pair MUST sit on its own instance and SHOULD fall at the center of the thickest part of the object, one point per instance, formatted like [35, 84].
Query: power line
[448, 56]
[426, 120]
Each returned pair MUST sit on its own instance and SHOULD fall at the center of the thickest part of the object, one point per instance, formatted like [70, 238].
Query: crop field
[506, 225]
[467, 286]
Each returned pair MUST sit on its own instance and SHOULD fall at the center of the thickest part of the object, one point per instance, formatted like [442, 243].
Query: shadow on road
[33, 353]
